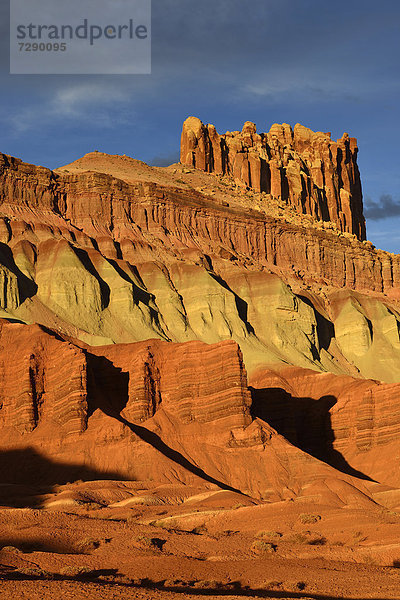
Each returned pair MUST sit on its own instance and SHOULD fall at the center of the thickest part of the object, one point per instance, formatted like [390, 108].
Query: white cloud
[75, 102]
[76, 99]
[340, 83]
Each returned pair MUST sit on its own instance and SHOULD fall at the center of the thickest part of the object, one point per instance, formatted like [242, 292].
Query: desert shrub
[296, 586]
[77, 571]
[152, 543]
[132, 518]
[309, 518]
[143, 540]
[91, 506]
[217, 585]
[10, 549]
[317, 540]
[298, 538]
[306, 538]
[272, 585]
[157, 543]
[208, 584]
[199, 530]
[262, 547]
[174, 583]
[396, 564]
[34, 572]
[233, 585]
[268, 534]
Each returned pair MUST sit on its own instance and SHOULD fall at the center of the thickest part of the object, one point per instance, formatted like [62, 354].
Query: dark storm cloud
[245, 50]
[166, 160]
[384, 208]
[256, 37]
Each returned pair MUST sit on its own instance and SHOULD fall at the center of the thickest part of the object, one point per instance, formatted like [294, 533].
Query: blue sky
[332, 66]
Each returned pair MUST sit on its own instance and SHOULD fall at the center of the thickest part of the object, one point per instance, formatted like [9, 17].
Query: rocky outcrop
[195, 382]
[43, 380]
[145, 220]
[152, 300]
[84, 405]
[163, 412]
[150, 411]
[111, 261]
[351, 423]
[307, 170]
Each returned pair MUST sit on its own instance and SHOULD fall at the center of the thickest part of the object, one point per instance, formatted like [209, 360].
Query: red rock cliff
[308, 170]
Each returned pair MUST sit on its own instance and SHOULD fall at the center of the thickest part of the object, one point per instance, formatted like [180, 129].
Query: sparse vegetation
[318, 540]
[132, 518]
[273, 585]
[262, 547]
[396, 564]
[10, 549]
[298, 538]
[91, 506]
[268, 534]
[151, 543]
[33, 572]
[308, 518]
[211, 584]
[77, 571]
[199, 530]
[296, 586]
[307, 538]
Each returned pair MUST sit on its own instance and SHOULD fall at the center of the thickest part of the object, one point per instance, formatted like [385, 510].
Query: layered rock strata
[148, 218]
[307, 170]
[151, 411]
[68, 402]
[111, 261]
[101, 261]
[46, 379]
[352, 423]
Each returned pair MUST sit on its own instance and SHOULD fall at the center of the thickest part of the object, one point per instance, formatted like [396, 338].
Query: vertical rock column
[306, 169]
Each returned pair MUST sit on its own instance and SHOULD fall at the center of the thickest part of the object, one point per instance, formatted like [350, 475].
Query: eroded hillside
[109, 250]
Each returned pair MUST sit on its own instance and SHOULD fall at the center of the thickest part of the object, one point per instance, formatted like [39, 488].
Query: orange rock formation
[308, 170]
[135, 300]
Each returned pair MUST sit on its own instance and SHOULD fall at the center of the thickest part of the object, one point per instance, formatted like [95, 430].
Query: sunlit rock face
[150, 314]
[308, 170]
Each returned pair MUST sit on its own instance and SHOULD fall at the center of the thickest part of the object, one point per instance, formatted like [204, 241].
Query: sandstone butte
[308, 170]
[219, 326]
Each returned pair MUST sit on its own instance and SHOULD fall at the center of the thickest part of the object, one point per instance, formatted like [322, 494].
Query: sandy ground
[179, 542]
